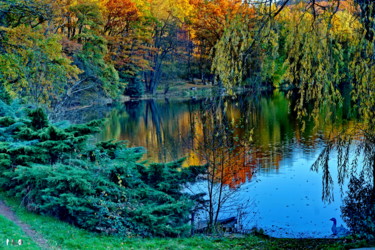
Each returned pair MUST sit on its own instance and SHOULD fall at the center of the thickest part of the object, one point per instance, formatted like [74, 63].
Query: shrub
[359, 208]
[4, 95]
[135, 88]
[101, 187]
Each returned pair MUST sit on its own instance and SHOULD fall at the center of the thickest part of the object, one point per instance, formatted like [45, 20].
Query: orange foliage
[320, 7]
[124, 32]
[340, 5]
[211, 17]
[118, 15]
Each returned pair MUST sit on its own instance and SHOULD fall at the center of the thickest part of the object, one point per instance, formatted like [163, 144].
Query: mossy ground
[61, 235]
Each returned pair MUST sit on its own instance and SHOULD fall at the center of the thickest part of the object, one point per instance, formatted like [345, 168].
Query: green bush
[135, 87]
[101, 187]
[359, 208]
[4, 95]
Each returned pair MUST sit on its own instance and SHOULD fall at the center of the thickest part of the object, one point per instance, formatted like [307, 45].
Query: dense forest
[63, 54]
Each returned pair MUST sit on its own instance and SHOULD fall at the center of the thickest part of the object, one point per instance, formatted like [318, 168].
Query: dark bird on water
[338, 231]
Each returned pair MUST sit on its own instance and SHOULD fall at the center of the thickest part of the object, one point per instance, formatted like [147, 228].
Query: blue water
[283, 196]
[288, 202]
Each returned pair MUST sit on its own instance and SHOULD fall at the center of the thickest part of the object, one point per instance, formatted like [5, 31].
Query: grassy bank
[61, 235]
[11, 232]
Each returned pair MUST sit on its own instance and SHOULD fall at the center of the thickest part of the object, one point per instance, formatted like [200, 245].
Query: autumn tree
[127, 34]
[167, 18]
[209, 19]
[34, 67]
[32, 13]
[216, 141]
[88, 48]
[232, 62]
[41, 66]
[119, 15]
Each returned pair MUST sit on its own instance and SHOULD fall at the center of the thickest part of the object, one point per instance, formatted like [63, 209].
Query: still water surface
[276, 186]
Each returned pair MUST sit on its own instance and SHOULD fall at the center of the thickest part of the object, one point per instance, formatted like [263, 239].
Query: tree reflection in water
[238, 135]
[216, 140]
[356, 162]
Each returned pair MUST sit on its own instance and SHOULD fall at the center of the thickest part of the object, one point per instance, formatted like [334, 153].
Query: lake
[267, 153]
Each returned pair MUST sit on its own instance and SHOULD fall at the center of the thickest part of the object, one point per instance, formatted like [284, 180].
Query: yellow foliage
[35, 68]
[165, 9]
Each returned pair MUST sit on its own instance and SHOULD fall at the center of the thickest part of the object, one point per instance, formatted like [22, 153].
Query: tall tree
[166, 18]
[208, 22]
[34, 67]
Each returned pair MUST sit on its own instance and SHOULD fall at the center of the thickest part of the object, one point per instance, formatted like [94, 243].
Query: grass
[61, 235]
[10, 231]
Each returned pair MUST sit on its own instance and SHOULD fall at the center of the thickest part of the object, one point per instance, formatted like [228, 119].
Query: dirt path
[7, 212]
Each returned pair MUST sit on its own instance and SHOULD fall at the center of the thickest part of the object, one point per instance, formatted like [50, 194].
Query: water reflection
[356, 162]
[243, 135]
[168, 128]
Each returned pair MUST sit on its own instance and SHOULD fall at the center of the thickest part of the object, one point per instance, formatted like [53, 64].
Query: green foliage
[88, 15]
[359, 208]
[313, 64]
[135, 88]
[246, 57]
[17, 12]
[314, 52]
[230, 62]
[4, 95]
[6, 110]
[363, 80]
[33, 64]
[33, 67]
[99, 187]
[98, 75]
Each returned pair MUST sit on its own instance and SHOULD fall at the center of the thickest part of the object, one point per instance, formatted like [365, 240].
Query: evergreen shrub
[102, 187]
